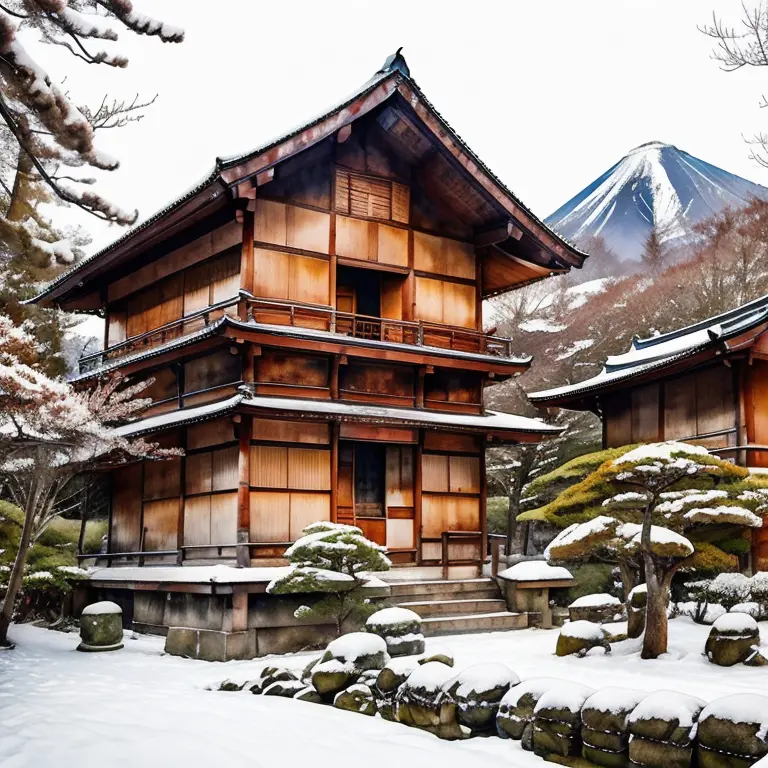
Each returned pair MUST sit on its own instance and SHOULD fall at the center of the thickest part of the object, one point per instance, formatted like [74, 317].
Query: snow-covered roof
[492, 421]
[658, 352]
[396, 70]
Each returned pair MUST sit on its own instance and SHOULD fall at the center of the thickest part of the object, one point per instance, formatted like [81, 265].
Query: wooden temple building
[706, 383]
[311, 314]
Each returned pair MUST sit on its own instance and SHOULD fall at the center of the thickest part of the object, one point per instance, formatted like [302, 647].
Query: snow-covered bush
[332, 559]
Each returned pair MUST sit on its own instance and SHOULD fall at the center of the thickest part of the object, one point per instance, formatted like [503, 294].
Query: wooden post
[483, 504]
[333, 263]
[246, 259]
[182, 492]
[334, 382]
[409, 293]
[417, 497]
[421, 372]
[83, 520]
[334, 471]
[244, 493]
[479, 295]
[495, 547]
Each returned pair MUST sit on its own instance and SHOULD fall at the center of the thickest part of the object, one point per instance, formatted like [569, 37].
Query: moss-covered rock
[308, 693]
[423, 702]
[733, 639]
[287, 689]
[357, 698]
[516, 707]
[101, 627]
[330, 677]
[599, 608]
[557, 720]
[268, 676]
[657, 754]
[731, 732]
[400, 628]
[396, 673]
[437, 653]
[231, 685]
[362, 650]
[579, 637]
[478, 691]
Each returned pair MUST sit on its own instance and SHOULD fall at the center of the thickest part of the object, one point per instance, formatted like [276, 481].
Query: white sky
[549, 93]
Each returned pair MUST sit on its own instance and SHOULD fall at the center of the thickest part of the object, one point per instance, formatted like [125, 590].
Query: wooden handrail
[445, 540]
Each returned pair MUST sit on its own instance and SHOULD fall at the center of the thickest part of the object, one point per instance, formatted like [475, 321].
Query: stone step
[429, 608]
[456, 588]
[441, 597]
[480, 622]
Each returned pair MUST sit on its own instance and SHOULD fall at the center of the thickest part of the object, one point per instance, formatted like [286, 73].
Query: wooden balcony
[412, 333]
[418, 334]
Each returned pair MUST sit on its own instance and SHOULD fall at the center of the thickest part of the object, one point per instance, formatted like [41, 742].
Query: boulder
[288, 689]
[605, 726]
[732, 731]
[437, 652]
[663, 727]
[357, 698]
[578, 637]
[478, 690]
[733, 639]
[400, 628]
[515, 714]
[308, 693]
[423, 702]
[330, 677]
[231, 685]
[599, 608]
[101, 627]
[557, 720]
[269, 675]
[363, 650]
[637, 600]
[396, 673]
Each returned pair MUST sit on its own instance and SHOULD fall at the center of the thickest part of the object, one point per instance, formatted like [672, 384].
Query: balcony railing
[416, 333]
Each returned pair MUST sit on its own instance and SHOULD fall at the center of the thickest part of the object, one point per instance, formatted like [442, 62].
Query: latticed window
[371, 197]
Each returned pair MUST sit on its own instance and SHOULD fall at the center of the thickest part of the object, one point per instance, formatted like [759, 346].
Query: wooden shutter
[371, 197]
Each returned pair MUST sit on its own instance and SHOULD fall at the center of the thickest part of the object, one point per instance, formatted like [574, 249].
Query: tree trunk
[655, 638]
[17, 572]
[513, 497]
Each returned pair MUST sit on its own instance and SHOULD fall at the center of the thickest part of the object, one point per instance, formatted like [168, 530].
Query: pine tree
[639, 510]
[654, 254]
[332, 559]
[50, 435]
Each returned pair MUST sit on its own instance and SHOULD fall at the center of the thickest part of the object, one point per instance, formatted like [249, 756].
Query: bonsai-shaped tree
[332, 559]
[642, 514]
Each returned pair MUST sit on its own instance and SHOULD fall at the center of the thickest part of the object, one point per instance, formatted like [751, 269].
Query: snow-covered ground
[138, 707]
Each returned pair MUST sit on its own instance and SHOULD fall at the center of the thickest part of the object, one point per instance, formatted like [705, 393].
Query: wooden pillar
[247, 255]
[83, 518]
[417, 482]
[421, 372]
[479, 294]
[182, 492]
[409, 293]
[333, 262]
[483, 505]
[334, 471]
[334, 382]
[244, 493]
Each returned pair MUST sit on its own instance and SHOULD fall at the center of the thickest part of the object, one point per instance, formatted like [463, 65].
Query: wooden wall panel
[434, 472]
[451, 441]
[392, 299]
[377, 379]
[617, 413]
[116, 330]
[429, 300]
[126, 509]
[464, 474]
[400, 534]
[270, 222]
[309, 280]
[459, 259]
[198, 473]
[270, 516]
[269, 466]
[459, 303]
[464, 514]
[307, 230]
[375, 530]
[161, 521]
[392, 245]
[291, 431]
[645, 414]
[225, 475]
[435, 511]
[212, 370]
[271, 273]
[162, 478]
[210, 433]
[399, 476]
[308, 508]
[679, 408]
[309, 469]
[197, 521]
[286, 368]
[715, 404]
[443, 256]
[351, 238]
[224, 518]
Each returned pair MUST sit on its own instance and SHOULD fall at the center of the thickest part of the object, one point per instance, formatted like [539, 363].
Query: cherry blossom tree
[49, 435]
[640, 511]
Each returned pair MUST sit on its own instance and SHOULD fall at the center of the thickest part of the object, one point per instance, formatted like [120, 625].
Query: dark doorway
[370, 462]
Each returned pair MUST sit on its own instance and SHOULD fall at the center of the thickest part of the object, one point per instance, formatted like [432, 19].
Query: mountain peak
[655, 185]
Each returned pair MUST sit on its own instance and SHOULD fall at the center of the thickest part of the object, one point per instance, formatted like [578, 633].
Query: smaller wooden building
[706, 383]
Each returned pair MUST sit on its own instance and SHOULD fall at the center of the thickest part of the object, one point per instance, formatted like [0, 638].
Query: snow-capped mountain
[655, 183]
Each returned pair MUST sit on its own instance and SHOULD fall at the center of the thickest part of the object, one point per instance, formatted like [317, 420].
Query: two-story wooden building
[311, 314]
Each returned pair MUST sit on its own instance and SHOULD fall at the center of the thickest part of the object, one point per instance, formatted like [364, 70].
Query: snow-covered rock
[579, 637]
[535, 570]
[478, 690]
[515, 715]
[734, 728]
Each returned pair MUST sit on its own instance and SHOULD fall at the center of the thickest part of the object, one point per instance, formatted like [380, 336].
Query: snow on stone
[638, 590]
[484, 677]
[659, 451]
[352, 646]
[735, 622]
[101, 608]
[568, 696]
[614, 700]
[432, 676]
[583, 630]
[750, 608]
[740, 708]
[536, 686]
[669, 706]
[394, 615]
[535, 570]
[596, 600]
